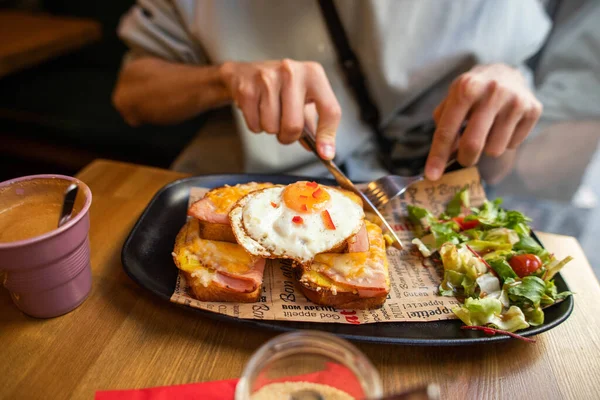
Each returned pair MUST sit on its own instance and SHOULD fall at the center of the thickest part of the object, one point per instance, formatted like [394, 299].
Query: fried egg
[297, 221]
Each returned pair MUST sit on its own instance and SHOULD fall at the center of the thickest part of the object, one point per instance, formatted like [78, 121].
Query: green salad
[490, 261]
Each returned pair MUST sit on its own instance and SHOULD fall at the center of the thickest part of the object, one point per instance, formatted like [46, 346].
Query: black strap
[353, 72]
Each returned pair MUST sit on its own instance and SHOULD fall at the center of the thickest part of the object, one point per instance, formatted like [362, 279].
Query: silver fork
[384, 189]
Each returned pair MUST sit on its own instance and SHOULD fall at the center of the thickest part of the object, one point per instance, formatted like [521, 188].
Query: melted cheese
[356, 265]
[321, 281]
[221, 255]
[225, 197]
[204, 276]
[199, 253]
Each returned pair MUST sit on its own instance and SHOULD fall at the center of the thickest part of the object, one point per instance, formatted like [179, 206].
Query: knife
[308, 140]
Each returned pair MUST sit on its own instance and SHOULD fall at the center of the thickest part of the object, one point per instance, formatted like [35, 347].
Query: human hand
[275, 97]
[500, 111]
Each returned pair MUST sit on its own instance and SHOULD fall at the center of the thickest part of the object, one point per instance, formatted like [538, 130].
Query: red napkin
[335, 375]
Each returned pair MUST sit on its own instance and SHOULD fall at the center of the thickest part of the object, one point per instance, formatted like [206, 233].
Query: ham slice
[205, 210]
[359, 242]
[235, 284]
[252, 278]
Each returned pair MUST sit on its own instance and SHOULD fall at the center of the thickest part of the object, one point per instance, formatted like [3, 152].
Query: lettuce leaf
[501, 235]
[459, 202]
[457, 283]
[488, 214]
[482, 246]
[554, 266]
[488, 311]
[420, 217]
[447, 232]
[533, 315]
[461, 270]
[503, 254]
[551, 294]
[426, 245]
[517, 221]
[489, 286]
[492, 216]
[529, 290]
[502, 268]
[461, 260]
[528, 245]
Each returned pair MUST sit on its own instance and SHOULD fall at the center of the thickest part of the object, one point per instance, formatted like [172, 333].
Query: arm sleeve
[158, 28]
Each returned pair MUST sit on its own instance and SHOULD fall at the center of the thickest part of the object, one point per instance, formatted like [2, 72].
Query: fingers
[247, 98]
[310, 120]
[463, 94]
[503, 128]
[319, 91]
[437, 113]
[500, 111]
[292, 103]
[526, 124]
[481, 120]
[272, 96]
[270, 104]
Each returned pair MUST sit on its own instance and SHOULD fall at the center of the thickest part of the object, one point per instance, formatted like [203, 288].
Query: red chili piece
[327, 220]
[297, 219]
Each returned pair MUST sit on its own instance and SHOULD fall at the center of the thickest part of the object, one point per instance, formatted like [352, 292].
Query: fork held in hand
[384, 189]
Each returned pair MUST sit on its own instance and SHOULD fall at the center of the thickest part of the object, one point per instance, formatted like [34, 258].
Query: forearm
[151, 90]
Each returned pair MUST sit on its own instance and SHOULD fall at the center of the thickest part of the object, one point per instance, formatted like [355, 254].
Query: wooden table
[123, 337]
[28, 39]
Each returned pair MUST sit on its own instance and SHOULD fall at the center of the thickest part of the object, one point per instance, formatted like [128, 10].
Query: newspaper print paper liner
[414, 281]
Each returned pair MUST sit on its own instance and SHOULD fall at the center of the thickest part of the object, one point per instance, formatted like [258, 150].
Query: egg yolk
[305, 197]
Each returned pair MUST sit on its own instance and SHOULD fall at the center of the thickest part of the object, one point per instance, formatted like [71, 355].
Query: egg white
[269, 232]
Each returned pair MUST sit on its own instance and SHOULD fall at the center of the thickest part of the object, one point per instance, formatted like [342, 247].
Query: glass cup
[46, 269]
[301, 364]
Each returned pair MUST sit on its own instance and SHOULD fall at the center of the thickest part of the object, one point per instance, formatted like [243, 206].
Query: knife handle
[308, 140]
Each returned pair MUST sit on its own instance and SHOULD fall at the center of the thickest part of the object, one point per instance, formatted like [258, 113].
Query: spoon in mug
[68, 203]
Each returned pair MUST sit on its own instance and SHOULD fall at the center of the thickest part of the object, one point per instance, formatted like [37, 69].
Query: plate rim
[282, 326]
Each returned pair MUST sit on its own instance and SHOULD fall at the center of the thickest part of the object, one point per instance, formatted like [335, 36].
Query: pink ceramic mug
[48, 274]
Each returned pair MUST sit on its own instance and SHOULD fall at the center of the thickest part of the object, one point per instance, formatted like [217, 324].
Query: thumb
[329, 120]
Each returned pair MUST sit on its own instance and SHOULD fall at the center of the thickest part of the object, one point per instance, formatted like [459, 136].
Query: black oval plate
[146, 258]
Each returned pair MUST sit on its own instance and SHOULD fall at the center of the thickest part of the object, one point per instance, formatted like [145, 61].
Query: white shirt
[409, 50]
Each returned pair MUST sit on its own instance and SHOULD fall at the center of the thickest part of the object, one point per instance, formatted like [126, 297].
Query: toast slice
[217, 271]
[351, 280]
[219, 293]
[214, 231]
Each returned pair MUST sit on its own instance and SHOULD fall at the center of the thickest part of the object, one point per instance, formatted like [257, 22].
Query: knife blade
[308, 140]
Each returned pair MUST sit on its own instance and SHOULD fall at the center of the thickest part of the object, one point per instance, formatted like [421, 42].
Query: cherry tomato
[525, 264]
[464, 225]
